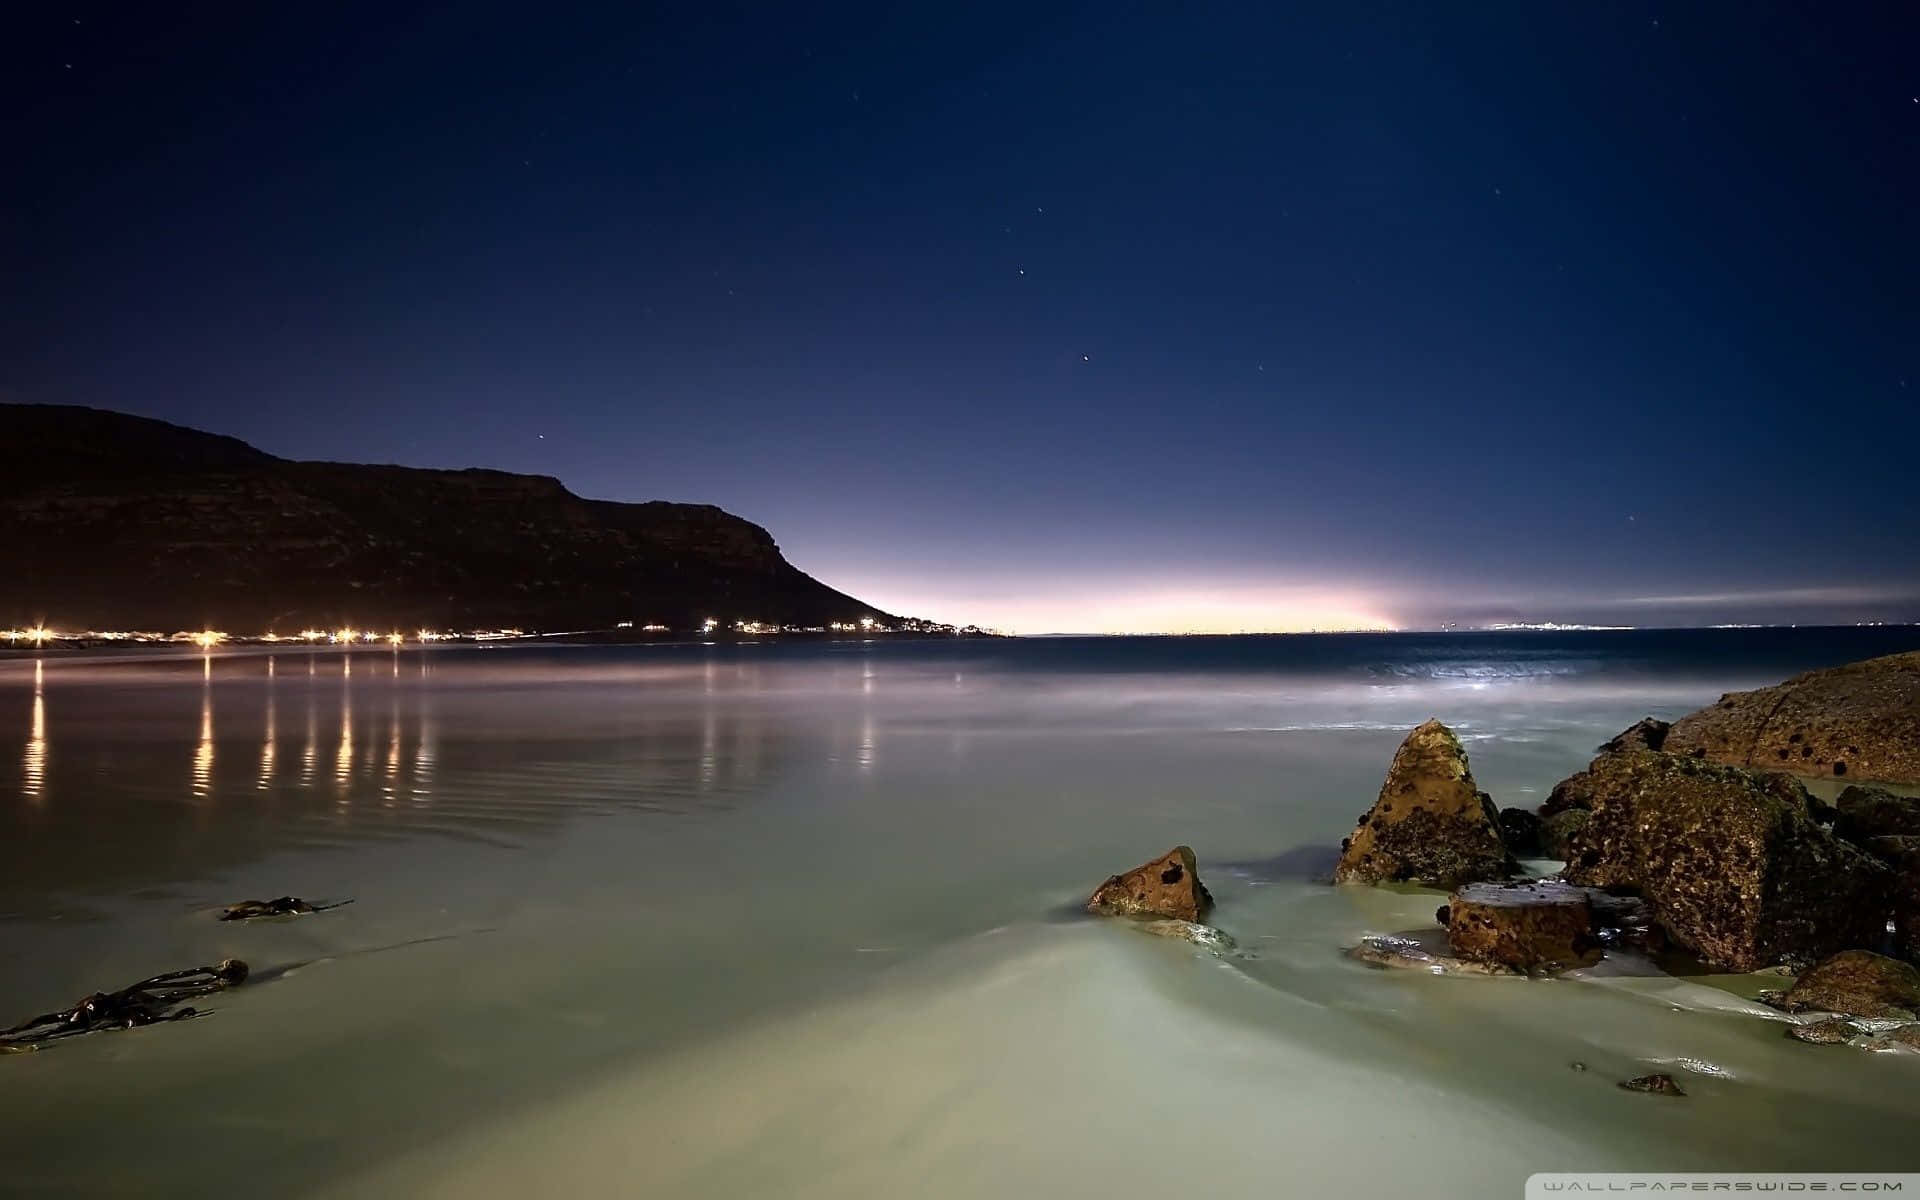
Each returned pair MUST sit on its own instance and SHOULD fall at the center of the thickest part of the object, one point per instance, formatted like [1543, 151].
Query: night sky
[1100, 317]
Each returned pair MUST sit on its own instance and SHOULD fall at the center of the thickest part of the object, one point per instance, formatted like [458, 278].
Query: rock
[1413, 952]
[1188, 931]
[1520, 830]
[1829, 1032]
[1657, 1085]
[1431, 824]
[1558, 829]
[1529, 927]
[1906, 1037]
[1866, 813]
[1648, 733]
[1730, 861]
[1169, 886]
[1858, 983]
[1902, 855]
[1859, 721]
[1626, 922]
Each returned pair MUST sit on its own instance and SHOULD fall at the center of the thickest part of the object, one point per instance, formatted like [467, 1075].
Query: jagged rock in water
[1648, 733]
[1531, 927]
[1419, 952]
[1858, 983]
[1864, 812]
[1859, 721]
[1656, 1085]
[1520, 830]
[1431, 823]
[1188, 931]
[1829, 1032]
[1557, 830]
[1169, 886]
[1730, 861]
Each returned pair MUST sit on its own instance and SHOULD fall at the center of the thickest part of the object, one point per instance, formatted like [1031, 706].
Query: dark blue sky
[1049, 317]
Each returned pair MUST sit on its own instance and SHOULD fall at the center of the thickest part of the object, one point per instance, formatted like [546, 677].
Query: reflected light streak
[33, 767]
[310, 752]
[343, 756]
[390, 787]
[203, 752]
[423, 760]
[709, 748]
[266, 742]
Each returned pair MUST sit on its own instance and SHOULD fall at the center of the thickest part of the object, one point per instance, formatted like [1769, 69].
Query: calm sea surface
[796, 919]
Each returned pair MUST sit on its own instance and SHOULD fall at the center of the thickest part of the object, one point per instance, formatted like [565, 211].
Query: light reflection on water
[267, 739]
[507, 744]
[34, 762]
[201, 785]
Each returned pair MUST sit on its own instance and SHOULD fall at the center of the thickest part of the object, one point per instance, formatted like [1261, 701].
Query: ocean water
[798, 919]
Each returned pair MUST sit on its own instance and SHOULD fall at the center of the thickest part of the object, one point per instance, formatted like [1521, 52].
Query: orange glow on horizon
[1237, 607]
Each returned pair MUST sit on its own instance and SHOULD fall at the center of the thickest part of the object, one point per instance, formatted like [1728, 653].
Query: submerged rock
[1906, 1037]
[1410, 952]
[1730, 861]
[1529, 927]
[1858, 983]
[1832, 1031]
[284, 906]
[1859, 721]
[1656, 1085]
[1169, 886]
[1520, 830]
[1189, 931]
[1648, 733]
[1431, 824]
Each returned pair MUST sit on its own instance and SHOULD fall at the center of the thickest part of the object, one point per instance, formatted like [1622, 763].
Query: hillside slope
[110, 521]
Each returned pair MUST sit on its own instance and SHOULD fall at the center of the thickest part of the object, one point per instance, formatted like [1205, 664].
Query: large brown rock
[1169, 886]
[1731, 862]
[1431, 825]
[1530, 927]
[1860, 721]
[1858, 983]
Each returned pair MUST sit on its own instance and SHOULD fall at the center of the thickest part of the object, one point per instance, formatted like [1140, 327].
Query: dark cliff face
[109, 521]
